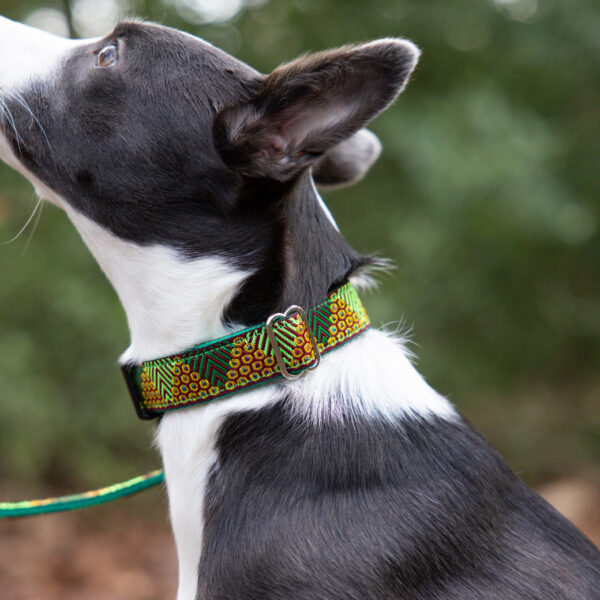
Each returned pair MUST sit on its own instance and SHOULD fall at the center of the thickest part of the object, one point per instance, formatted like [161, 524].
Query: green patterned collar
[287, 345]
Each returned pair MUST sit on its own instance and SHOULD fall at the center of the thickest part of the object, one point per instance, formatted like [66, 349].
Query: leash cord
[132, 486]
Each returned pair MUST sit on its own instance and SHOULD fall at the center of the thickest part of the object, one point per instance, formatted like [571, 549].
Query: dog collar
[287, 345]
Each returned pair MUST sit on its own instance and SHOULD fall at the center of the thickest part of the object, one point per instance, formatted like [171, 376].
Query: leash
[27, 508]
[286, 346]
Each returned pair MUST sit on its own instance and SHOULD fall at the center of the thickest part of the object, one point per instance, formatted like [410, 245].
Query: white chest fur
[186, 440]
[172, 303]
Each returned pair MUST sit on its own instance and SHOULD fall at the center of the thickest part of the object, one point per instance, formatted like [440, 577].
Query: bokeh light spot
[50, 20]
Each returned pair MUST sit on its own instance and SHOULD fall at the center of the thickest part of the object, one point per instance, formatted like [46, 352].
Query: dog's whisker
[35, 225]
[19, 98]
[9, 118]
[29, 219]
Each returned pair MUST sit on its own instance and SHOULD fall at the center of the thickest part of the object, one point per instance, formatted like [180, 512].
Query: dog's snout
[28, 55]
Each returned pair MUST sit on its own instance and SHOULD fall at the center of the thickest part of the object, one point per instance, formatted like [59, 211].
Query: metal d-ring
[275, 343]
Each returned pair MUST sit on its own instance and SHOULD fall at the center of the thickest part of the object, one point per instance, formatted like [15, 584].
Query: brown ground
[109, 553]
[62, 556]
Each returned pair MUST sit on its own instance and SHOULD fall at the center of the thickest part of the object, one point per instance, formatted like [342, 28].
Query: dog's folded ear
[305, 108]
[349, 161]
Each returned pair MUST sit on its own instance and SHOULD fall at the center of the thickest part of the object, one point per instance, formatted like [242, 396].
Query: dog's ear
[349, 161]
[305, 108]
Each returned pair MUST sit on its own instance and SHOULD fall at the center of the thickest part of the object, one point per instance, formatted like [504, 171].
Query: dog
[191, 178]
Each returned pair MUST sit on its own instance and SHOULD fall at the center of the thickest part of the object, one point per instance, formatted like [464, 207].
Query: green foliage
[486, 197]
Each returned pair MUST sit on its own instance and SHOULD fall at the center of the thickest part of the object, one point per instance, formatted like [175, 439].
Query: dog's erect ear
[306, 107]
[349, 161]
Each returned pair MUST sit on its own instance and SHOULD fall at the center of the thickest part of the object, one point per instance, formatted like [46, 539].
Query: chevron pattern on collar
[247, 358]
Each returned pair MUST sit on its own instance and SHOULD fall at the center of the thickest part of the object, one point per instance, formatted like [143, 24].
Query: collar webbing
[284, 346]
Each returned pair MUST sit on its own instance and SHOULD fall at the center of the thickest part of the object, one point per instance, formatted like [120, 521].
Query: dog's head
[162, 139]
[151, 126]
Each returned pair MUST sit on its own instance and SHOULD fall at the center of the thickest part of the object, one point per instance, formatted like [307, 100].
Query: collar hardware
[275, 343]
[287, 345]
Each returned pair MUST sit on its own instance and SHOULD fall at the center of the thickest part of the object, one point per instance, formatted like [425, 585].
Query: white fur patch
[172, 303]
[29, 54]
[186, 439]
[370, 376]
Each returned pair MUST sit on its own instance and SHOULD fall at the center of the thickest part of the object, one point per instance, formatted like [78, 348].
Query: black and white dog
[190, 177]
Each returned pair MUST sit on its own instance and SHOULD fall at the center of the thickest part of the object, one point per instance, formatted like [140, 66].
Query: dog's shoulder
[377, 508]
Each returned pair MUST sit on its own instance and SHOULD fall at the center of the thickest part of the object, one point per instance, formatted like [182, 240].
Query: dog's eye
[107, 57]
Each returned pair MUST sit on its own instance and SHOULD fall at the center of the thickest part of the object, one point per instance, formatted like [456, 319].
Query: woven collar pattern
[247, 358]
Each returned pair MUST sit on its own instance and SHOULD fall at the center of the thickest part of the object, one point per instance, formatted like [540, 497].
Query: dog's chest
[187, 442]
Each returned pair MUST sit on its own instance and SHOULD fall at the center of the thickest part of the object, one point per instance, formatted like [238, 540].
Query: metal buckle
[275, 343]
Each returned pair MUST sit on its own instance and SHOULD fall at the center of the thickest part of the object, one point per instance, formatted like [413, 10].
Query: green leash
[83, 500]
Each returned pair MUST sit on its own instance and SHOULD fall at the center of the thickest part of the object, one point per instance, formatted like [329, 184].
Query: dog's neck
[305, 257]
[173, 302]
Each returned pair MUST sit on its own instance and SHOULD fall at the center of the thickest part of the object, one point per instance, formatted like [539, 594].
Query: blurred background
[486, 198]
